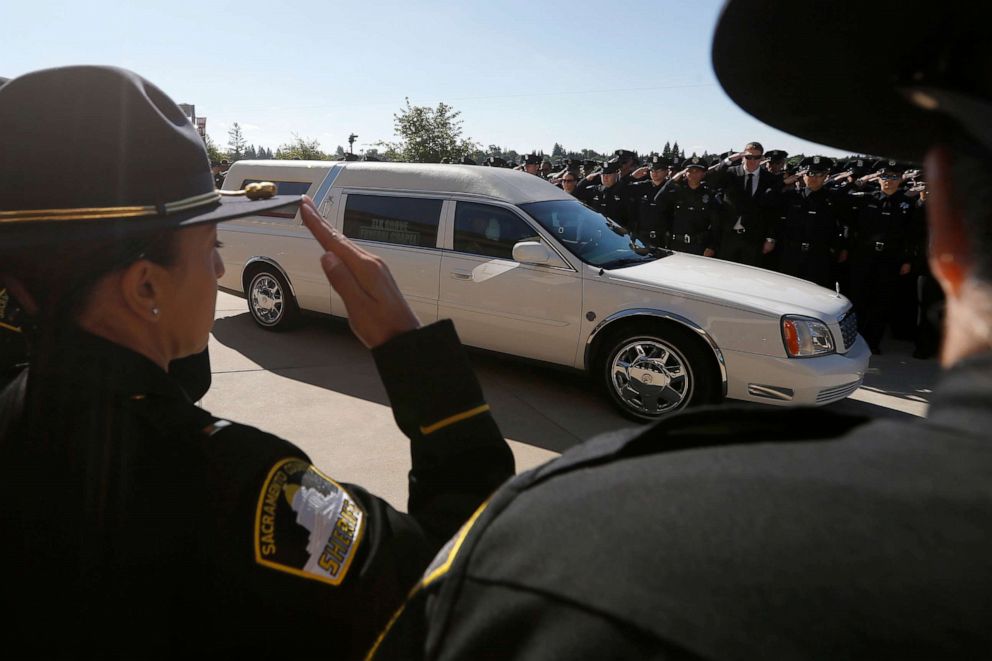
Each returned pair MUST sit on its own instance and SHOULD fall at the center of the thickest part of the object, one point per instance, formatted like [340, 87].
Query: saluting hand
[377, 311]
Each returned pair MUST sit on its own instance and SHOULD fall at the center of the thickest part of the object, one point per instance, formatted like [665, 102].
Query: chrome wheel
[266, 298]
[650, 377]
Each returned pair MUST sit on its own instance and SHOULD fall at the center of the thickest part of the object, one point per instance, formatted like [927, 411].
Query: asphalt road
[317, 386]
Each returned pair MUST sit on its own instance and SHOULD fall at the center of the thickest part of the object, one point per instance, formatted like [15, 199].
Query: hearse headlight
[804, 337]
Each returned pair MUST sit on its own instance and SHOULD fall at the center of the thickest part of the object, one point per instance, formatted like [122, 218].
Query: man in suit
[752, 195]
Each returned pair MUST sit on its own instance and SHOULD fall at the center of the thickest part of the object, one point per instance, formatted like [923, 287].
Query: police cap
[816, 164]
[889, 165]
[660, 163]
[531, 159]
[496, 162]
[611, 166]
[929, 85]
[694, 162]
[465, 160]
[776, 155]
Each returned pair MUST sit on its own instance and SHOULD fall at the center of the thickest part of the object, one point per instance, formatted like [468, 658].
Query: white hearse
[523, 268]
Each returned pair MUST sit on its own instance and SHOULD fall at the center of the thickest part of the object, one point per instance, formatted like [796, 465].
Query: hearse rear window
[295, 188]
[407, 221]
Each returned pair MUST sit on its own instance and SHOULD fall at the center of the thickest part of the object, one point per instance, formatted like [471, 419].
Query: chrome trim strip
[270, 262]
[769, 392]
[661, 314]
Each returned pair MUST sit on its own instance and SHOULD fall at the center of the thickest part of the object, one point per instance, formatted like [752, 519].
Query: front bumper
[796, 381]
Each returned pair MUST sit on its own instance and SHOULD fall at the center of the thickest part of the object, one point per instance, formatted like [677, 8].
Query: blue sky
[523, 74]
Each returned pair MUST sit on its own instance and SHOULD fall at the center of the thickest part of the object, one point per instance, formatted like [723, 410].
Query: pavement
[317, 386]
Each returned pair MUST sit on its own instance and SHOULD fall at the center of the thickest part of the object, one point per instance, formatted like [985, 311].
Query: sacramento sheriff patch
[306, 523]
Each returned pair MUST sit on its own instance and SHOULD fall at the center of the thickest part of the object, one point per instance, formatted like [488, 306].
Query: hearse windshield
[590, 236]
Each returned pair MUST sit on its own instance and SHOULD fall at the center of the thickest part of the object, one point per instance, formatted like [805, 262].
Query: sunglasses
[751, 157]
[889, 177]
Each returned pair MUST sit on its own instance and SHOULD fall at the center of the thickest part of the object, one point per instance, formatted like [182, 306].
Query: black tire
[651, 370]
[270, 300]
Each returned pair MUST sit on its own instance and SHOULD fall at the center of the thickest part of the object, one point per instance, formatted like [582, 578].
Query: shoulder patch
[306, 524]
[446, 556]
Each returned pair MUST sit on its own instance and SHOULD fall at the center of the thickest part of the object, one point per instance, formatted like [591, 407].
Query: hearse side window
[408, 221]
[482, 229]
[294, 188]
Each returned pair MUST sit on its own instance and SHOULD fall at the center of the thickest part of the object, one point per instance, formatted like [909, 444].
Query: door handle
[461, 275]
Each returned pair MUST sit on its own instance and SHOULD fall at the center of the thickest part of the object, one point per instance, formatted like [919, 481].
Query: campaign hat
[105, 147]
[927, 77]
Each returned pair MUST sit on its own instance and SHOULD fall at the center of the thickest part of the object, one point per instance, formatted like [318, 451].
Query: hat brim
[36, 234]
[846, 99]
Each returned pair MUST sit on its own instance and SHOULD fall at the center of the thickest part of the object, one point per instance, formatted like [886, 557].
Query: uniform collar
[89, 361]
[963, 396]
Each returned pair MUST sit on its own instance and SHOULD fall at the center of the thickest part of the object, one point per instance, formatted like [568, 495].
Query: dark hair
[755, 145]
[59, 275]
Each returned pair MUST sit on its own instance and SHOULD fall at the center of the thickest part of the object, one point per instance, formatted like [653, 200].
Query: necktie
[750, 187]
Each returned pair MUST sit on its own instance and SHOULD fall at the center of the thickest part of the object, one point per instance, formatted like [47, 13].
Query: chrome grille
[849, 328]
[837, 392]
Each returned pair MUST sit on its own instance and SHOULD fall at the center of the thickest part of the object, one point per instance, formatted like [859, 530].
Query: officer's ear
[143, 286]
[950, 246]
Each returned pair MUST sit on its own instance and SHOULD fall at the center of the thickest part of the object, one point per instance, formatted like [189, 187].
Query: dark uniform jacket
[690, 217]
[141, 526]
[885, 225]
[811, 232]
[612, 202]
[732, 534]
[645, 211]
[13, 348]
[756, 212]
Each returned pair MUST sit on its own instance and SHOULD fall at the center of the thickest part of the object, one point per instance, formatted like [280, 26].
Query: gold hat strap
[257, 191]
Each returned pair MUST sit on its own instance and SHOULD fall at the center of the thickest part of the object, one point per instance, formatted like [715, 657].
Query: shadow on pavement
[538, 405]
[545, 407]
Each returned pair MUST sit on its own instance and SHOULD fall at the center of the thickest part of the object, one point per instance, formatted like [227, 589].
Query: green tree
[250, 153]
[213, 153]
[426, 135]
[557, 151]
[235, 143]
[676, 154]
[667, 151]
[305, 149]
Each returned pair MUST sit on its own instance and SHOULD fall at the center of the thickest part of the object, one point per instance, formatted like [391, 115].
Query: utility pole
[351, 142]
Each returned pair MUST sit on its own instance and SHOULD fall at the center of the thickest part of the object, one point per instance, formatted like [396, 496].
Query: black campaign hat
[935, 73]
[105, 146]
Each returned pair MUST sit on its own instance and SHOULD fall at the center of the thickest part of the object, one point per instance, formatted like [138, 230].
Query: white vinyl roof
[503, 184]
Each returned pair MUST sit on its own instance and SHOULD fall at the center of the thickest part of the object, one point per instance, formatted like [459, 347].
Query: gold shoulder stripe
[9, 327]
[452, 419]
[442, 569]
[449, 553]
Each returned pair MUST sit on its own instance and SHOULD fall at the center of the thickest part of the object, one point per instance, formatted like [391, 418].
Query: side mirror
[531, 252]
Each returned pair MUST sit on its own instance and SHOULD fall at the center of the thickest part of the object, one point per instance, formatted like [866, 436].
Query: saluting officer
[881, 239]
[753, 196]
[811, 227]
[690, 212]
[606, 197]
[645, 194]
[532, 164]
